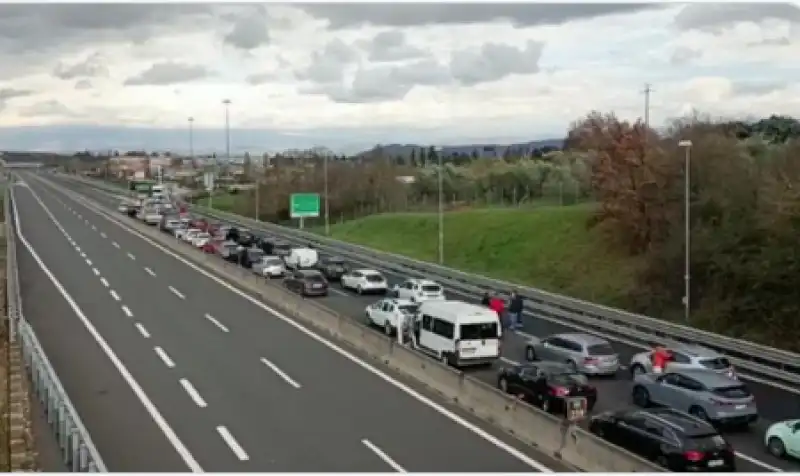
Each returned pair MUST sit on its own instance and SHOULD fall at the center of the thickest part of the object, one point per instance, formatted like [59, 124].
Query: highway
[774, 403]
[202, 379]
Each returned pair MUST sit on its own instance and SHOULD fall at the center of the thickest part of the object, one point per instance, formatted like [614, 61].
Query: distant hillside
[481, 150]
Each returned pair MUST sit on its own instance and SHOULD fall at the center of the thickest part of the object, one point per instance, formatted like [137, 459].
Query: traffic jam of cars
[683, 397]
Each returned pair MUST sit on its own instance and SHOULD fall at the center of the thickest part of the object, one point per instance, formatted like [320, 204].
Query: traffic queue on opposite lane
[678, 412]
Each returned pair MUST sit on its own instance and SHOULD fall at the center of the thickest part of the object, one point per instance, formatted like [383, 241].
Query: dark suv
[675, 440]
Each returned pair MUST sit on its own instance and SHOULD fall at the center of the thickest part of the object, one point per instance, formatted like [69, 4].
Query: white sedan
[190, 234]
[419, 290]
[199, 240]
[389, 314]
[365, 281]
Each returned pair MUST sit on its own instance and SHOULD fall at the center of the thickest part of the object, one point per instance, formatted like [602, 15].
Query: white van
[300, 258]
[458, 333]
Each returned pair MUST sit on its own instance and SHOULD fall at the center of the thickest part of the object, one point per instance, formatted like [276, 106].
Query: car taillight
[559, 391]
[590, 360]
[720, 403]
[694, 456]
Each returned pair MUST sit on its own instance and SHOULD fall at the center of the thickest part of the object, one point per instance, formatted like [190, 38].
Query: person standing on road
[487, 299]
[515, 307]
[497, 305]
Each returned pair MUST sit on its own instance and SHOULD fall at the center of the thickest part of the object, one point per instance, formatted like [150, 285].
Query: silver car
[585, 353]
[702, 393]
[269, 267]
[685, 356]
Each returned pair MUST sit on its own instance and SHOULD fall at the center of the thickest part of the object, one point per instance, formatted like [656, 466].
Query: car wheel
[661, 460]
[503, 385]
[699, 413]
[776, 447]
[530, 354]
[641, 397]
[387, 328]
[637, 369]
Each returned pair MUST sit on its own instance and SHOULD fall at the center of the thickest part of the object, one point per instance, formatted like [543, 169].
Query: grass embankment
[546, 247]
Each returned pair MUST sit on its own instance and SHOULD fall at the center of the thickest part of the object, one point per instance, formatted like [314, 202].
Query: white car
[200, 239]
[365, 281]
[269, 267]
[419, 290]
[190, 234]
[124, 207]
[389, 314]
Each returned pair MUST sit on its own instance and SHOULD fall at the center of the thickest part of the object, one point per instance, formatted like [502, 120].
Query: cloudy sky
[351, 76]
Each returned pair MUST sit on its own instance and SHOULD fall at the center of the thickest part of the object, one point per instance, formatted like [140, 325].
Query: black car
[308, 282]
[232, 234]
[333, 268]
[245, 238]
[546, 385]
[276, 247]
[133, 210]
[675, 440]
[248, 256]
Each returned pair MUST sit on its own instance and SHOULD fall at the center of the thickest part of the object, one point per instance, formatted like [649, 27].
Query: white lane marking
[142, 330]
[96, 271]
[88, 261]
[216, 323]
[103, 235]
[77, 248]
[232, 443]
[756, 462]
[382, 455]
[116, 245]
[150, 272]
[127, 311]
[94, 228]
[167, 361]
[408, 390]
[280, 373]
[340, 292]
[130, 255]
[114, 295]
[176, 292]
[79, 216]
[148, 405]
[104, 281]
[83, 255]
[194, 394]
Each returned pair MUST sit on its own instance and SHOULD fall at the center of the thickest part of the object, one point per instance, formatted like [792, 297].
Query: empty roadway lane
[281, 394]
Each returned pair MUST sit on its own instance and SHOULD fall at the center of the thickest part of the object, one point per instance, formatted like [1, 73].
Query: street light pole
[327, 200]
[687, 147]
[441, 205]
[227, 103]
[191, 138]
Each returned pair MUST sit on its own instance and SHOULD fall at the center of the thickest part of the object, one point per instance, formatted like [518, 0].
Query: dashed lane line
[104, 281]
[216, 323]
[176, 292]
[280, 373]
[115, 244]
[150, 271]
[115, 295]
[130, 255]
[142, 330]
[383, 456]
[127, 311]
[193, 394]
[232, 443]
[164, 357]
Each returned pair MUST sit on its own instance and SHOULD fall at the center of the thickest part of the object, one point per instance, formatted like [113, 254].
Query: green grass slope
[545, 247]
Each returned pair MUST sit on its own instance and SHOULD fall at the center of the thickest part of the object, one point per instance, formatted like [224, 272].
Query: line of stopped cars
[677, 416]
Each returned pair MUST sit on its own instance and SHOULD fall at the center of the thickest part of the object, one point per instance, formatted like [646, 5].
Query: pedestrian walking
[515, 308]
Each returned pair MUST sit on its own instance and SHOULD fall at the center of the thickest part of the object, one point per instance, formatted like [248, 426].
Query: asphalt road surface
[775, 403]
[223, 385]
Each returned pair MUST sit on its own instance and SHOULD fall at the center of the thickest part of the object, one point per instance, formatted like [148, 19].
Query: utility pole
[227, 103]
[647, 91]
[441, 204]
[327, 200]
[686, 145]
[191, 138]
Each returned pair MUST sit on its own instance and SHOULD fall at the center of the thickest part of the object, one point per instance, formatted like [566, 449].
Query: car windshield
[431, 288]
[336, 262]
[374, 278]
[480, 331]
[282, 246]
[601, 350]
[255, 254]
[569, 379]
[273, 262]
[203, 235]
[736, 391]
[408, 308]
[719, 363]
[173, 223]
[316, 278]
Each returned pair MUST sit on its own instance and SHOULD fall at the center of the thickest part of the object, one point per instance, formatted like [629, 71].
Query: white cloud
[451, 74]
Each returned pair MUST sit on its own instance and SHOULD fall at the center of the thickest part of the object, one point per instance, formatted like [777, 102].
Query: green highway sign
[304, 205]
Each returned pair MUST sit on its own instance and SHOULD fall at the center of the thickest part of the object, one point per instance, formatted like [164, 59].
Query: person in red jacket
[497, 305]
[661, 357]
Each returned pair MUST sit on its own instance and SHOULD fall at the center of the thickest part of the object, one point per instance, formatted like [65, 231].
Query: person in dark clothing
[515, 308]
[487, 298]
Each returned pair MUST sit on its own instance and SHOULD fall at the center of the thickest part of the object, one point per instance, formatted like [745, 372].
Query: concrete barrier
[547, 433]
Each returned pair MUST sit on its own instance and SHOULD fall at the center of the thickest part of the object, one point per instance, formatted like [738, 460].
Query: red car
[200, 224]
[211, 247]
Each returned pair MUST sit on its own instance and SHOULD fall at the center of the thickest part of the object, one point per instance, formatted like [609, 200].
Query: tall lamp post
[441, 204]
[227, 103]
[191, 138]
[327, 199]
[686, 145]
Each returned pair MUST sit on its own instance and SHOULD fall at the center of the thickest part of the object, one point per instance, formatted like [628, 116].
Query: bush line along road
[205, 377]
[775, 402]
[193, 376]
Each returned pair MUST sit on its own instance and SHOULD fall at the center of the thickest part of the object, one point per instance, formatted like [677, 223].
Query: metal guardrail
[757, 359]
[76, 447]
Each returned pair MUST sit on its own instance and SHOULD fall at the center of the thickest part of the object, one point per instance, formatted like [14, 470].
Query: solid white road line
[380, 454]
[408, 390]
[159, 420]
[104, 281]
[142, 330]
[176, 292]
[216, 323]
[232, 443]
[130, 255]
[127, 311]
[280, 373]
[116, 245]
[114, 295]
[167, 361]
[193, 393]
[150, 272]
